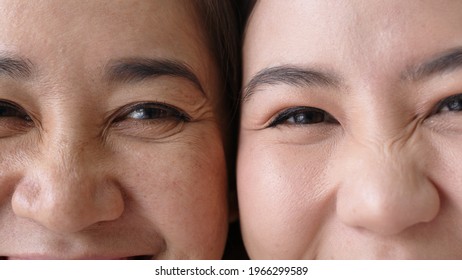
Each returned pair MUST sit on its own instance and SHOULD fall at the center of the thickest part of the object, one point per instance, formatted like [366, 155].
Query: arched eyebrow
[134, 70]
[446, 61]
[291, 75]
[15, 67]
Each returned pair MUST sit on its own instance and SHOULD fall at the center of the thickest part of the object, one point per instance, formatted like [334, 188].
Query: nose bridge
[381, 162]
[67, 152]
[66, 169]
[384, 166]
[383, 188]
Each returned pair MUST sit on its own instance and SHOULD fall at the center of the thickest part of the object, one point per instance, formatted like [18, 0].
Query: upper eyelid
[11, 104]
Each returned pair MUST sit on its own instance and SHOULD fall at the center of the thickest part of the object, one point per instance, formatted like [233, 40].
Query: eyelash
[154, 110]
[302, 115]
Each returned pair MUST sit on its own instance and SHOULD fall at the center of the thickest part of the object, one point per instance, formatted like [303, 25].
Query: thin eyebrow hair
[447, 61]
[290, 75]
[16, 68]
[138, 69]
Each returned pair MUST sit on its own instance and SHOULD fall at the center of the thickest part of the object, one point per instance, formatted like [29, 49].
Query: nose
[384, 192]
[66, 190]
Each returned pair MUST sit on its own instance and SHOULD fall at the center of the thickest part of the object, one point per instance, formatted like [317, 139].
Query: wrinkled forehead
[77, 40]
[319, 32]
[93, 32]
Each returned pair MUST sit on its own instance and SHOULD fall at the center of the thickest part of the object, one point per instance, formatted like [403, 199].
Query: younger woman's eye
[9, 110]
[302, 116]
[450, 104]
[153, 111]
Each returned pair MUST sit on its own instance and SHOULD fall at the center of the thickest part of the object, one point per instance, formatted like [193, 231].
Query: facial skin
[110, 141]
[374, 170]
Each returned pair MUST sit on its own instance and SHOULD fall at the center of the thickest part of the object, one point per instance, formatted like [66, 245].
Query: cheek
[180, 187]
[445, 168]
[283, 197]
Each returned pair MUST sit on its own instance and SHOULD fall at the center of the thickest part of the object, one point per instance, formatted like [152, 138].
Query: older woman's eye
[13, 120]
[153, 111]
[450, 104]
[302, 116]
[150, 120]
[9, 110]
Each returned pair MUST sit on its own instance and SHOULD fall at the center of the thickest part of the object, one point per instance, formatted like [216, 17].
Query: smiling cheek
[444, 169]
[284, 200]
[180, 187]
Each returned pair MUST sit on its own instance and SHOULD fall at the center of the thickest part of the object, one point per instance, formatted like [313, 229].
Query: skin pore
[350, 131]
[111, 143]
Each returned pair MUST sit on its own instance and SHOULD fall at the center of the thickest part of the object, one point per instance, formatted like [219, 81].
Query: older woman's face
[351, 130]
[110, 145]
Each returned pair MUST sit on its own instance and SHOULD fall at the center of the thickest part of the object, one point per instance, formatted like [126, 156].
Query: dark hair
[222, 22]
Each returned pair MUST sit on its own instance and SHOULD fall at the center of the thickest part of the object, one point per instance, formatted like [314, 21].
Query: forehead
[349, 34]
[76, 40]
[92, 32]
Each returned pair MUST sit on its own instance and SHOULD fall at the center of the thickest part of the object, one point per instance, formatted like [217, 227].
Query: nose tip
[67, 208]
[388, 213]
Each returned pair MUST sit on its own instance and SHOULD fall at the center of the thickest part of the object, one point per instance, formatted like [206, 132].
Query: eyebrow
[139, 69]
[16, 68]
[447, 61]
[289, 75]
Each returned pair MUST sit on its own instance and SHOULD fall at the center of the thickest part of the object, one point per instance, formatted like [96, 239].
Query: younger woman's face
[351, 130]
[110, 141]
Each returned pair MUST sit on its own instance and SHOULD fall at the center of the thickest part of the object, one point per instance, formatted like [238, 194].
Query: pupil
[299, 118]
[308, 117]
[148, 113]
[139, 114]
[7, 112]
